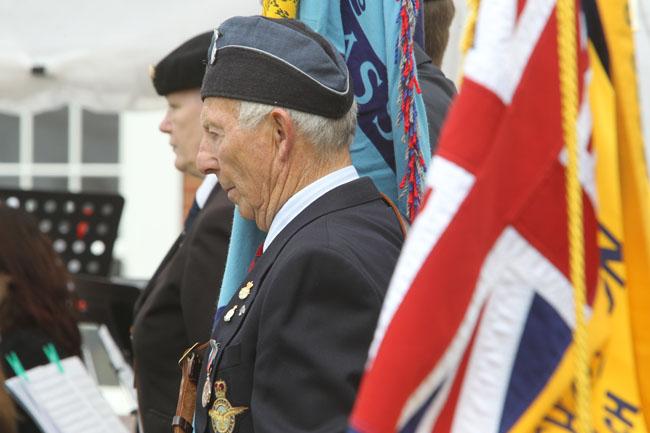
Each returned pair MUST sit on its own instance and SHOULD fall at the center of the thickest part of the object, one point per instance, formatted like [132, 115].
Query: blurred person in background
[437, 90]
[175, 309]
[36, 304]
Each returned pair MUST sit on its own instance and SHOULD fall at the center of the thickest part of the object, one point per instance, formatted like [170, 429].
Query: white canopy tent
[95, 53]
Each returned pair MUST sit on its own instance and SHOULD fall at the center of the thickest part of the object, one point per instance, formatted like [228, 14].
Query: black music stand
[82, 226]
[108, 301]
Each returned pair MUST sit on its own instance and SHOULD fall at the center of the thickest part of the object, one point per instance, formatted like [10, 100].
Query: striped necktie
[258, 253]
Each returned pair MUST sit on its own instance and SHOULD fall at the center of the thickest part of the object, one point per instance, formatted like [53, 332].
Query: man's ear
[283, 132]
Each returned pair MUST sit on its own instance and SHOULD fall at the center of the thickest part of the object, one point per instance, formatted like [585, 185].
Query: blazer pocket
[230, 357]
[155, 420]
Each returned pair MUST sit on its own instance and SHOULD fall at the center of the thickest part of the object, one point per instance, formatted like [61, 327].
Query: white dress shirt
[306, 196]
[204, 190]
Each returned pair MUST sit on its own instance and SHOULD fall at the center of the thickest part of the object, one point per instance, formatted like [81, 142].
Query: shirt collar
[204, 190]
[306, 196]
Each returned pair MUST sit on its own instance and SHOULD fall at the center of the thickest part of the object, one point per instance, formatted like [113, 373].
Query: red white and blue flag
[480, 310]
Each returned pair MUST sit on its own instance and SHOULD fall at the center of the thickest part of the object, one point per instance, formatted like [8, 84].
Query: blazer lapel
[350, 194]
[152, 282]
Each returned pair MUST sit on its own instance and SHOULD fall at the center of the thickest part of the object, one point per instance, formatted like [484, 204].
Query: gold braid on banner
[567, 52]
[280, 9]
[467, 39]
[469, 33]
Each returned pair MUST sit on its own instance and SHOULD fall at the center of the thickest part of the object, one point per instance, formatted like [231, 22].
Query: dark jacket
[176, 308]
[293, 351]
[437, 92]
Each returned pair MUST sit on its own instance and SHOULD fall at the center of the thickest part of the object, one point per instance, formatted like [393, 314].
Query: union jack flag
[480, 310]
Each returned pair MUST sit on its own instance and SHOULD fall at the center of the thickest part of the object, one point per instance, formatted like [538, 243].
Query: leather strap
[389, 202]
[190, 364]
[178, 422]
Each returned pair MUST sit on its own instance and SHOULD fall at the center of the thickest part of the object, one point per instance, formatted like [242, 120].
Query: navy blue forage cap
[278, 62]
[183, 68]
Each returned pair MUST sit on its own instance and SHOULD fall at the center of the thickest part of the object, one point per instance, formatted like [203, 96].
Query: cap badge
[213, 53]
[152, 72]
[223, 413]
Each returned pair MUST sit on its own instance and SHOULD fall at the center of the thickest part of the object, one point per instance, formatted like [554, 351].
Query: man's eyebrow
[207, 124]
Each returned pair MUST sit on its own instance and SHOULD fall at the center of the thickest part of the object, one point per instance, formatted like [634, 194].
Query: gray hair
[327, 135]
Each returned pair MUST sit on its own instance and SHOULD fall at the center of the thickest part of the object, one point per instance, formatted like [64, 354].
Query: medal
[229, 315]
[245, 291]
[205, 395]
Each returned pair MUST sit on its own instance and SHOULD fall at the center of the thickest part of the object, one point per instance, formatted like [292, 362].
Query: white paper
[67, 402]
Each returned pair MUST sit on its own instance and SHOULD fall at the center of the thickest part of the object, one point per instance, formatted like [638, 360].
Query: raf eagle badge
[222, 413]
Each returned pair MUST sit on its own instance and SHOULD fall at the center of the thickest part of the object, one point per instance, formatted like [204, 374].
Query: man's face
[243, 159]
[182, 123]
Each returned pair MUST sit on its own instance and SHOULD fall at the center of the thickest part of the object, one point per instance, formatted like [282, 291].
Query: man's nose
[165, 124]
[205, 159]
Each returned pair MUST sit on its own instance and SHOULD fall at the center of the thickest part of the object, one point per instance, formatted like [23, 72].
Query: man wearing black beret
[288, 351]
[175, 309]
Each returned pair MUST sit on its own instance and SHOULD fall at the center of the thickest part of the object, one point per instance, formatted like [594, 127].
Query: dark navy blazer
[175, 309]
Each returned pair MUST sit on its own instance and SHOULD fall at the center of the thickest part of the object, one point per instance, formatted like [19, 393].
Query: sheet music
[20, 394]
[71, 400]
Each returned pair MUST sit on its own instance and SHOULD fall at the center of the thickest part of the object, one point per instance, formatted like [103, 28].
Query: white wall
[152, 189]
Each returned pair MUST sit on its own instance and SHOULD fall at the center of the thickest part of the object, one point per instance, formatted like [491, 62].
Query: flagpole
[280, 8]
[467, 38]
[568, 64]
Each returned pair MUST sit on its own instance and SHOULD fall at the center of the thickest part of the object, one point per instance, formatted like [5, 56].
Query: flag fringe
[411, 183]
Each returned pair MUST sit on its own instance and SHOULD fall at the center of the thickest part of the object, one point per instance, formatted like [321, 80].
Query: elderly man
[176, 308]
[278, 115]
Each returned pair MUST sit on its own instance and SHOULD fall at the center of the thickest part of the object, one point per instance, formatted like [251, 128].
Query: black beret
[278, 62]
[183, 68]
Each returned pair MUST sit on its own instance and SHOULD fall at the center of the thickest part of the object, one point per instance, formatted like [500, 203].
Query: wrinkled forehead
[184, 97]
[217, 111]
